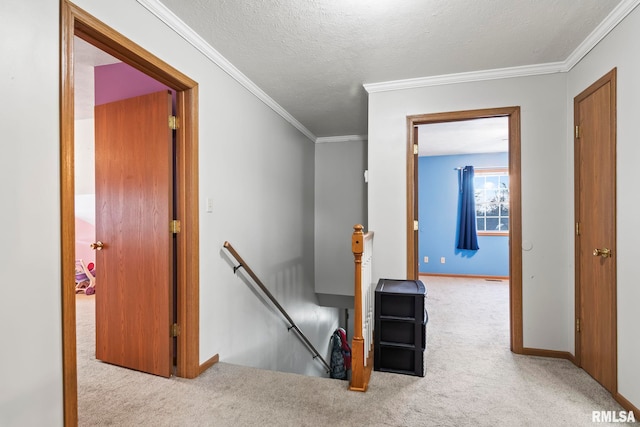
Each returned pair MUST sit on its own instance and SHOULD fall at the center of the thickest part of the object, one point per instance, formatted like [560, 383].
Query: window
[492, 201]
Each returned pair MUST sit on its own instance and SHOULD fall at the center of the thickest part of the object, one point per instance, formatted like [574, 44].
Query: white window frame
[493, 172]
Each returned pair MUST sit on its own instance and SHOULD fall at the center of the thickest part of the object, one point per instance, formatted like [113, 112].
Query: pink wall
[114, 82]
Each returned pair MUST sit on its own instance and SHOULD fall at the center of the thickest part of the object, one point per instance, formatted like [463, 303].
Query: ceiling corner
[190, 36]
[614, 18]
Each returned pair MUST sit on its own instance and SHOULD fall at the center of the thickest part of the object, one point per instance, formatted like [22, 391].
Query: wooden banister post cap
[356, 240]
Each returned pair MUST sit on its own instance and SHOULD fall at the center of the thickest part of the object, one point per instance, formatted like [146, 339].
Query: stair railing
[292, 324]
[362, 343]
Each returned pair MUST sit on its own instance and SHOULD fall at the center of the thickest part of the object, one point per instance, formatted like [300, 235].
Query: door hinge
[577, 228]
[175, 330]
[173, 122]
[577, 132]
[577, 324]
[415, 148]
[415, 225]
[174, 226]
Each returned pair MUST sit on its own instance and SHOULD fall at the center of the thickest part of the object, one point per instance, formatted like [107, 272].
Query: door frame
[515, 206]
[75, 21]
[610, 77]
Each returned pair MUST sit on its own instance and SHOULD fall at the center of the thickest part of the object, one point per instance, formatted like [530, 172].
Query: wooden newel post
[357, 247]
[357, 344]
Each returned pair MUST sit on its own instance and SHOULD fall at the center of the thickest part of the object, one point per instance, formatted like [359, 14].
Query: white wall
[546, 219]
[84, 152]
[620, 49]
[256, 167]
[30, 305]
[340, 203]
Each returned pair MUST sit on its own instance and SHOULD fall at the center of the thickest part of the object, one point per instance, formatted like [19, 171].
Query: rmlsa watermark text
[613, 417]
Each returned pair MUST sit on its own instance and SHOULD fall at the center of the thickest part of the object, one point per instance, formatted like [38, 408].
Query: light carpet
[472, 379]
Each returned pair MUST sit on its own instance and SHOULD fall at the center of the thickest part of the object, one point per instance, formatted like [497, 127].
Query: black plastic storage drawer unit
[400, 326]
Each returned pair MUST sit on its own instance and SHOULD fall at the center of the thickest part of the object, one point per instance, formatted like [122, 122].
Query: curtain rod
[486, 167]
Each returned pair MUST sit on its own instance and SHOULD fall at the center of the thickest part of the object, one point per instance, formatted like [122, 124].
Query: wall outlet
[441, 260]
[426, 260]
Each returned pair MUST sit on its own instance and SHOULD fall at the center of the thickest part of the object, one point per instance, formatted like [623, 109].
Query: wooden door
[134, 207]
[595, 177]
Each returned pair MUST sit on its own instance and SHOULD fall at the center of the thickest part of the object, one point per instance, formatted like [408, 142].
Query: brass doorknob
[604, 252]
[97, 246]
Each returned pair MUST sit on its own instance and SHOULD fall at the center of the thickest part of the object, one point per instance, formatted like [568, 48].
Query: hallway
[472, 379]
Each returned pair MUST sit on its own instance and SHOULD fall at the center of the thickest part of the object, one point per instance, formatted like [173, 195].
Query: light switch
[209, 204]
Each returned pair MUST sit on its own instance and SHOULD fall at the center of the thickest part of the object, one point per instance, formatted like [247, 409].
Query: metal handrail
[292, 324]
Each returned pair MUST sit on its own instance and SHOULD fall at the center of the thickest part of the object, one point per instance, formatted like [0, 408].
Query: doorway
[444, 150]
[515, 224]
[595, 236]
[114, 114]
[76, 22]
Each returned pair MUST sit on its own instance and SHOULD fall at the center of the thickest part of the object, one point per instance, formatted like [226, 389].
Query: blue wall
[438, 215]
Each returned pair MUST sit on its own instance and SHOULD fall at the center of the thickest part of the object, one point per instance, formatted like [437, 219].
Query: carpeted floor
[472, 379]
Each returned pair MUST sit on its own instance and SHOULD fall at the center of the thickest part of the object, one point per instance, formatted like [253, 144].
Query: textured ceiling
[312, 57]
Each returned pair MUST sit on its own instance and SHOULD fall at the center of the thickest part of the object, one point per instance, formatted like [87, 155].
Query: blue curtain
[467, 235]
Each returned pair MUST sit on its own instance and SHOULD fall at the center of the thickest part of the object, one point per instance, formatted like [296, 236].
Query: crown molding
[609, 23]
[616, 16]
[342, 138]
[183, 30]
[176, 24]
[472, 76]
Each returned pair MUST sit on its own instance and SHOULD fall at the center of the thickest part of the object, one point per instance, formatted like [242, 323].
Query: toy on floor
[85, 277]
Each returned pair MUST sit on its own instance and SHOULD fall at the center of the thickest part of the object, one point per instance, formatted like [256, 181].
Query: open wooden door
[134, 208]
[595, 170]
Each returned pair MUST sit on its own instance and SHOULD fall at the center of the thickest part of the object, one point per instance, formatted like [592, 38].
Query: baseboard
[528, 351]
[466, 276]
[209, 363]
[627, 405]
